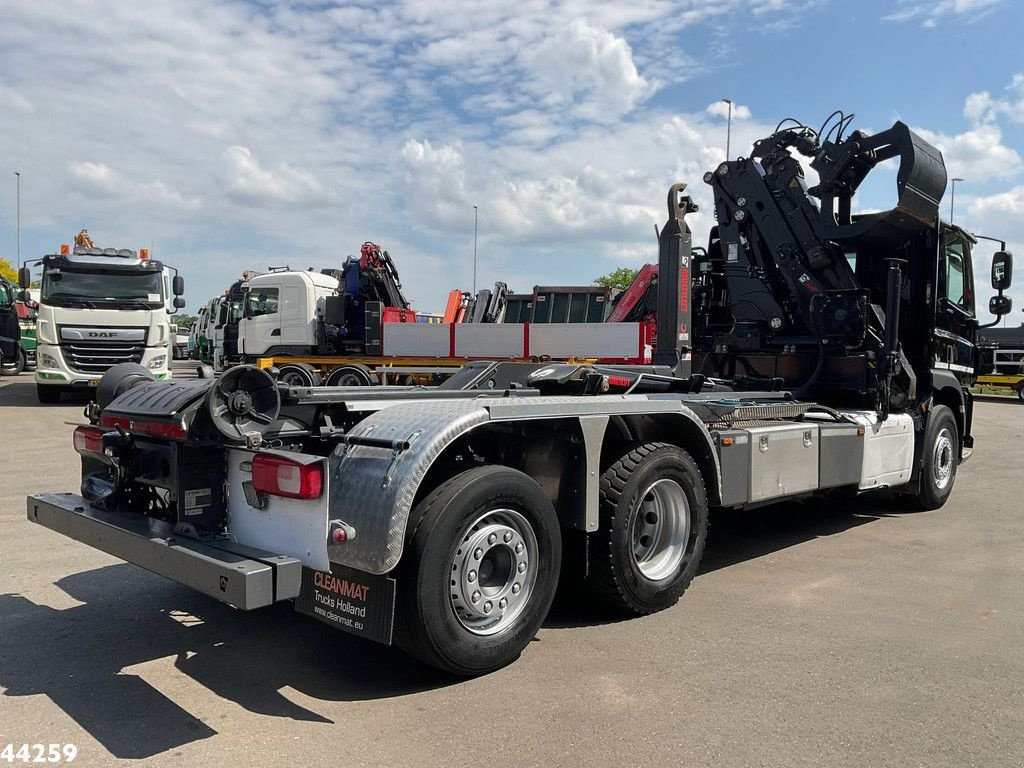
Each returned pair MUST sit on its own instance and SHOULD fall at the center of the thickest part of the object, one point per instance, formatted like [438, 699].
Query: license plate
[353, 601]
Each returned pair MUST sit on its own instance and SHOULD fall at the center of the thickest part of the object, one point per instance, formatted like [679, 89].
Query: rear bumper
[241, 576]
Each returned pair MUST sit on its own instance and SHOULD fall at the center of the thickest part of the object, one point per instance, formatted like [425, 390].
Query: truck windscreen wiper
[132, 304]
[69, 300]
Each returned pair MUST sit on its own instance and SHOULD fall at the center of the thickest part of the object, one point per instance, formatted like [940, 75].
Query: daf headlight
[157, 362]
[48, 361]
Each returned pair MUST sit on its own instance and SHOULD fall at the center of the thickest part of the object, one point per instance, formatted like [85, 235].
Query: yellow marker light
[64, 249]
[726, 441]
[144, 254]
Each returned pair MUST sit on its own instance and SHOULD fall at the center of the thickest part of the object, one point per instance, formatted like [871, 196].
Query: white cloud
[981, 107]
[97, 177]
[978, 154]
[931, 13]
[586, 69]
[721, 109]
[250, 183]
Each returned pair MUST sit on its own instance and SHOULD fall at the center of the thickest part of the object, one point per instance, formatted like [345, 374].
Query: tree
[620, 278]
[8, 271]
[184, 321]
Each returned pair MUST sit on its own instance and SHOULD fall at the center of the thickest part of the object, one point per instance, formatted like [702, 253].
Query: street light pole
[952, 198]
[17, 175]
[728, 127]
[475, 217]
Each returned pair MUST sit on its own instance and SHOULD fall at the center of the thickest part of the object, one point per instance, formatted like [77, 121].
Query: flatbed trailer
[1013, 383]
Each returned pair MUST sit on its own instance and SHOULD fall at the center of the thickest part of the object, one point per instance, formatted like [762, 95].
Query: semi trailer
[804, 351]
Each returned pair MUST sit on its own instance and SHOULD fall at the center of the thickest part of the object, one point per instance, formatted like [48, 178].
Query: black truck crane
[807, 350]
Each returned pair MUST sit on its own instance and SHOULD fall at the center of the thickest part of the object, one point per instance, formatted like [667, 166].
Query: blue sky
[234, 135]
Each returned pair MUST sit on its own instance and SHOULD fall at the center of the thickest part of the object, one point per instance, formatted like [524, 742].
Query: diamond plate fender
[372, 489]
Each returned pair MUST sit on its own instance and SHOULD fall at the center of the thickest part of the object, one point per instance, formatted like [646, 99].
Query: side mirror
[24, 277]
[179, 303]
[1002, 270]
[26, 298]
[1000, 305]
[178, 286]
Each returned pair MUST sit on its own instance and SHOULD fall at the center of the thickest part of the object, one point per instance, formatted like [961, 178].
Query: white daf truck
[99, 307]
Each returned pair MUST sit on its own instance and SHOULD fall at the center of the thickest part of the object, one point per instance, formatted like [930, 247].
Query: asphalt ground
[815, 635]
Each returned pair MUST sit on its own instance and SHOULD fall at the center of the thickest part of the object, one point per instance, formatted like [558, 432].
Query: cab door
[955, 320]
[10, 329]
[261, 328]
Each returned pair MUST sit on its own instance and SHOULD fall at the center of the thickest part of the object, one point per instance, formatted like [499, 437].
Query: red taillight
[88, 439]
[154, 428]
[283, 477]
[620, 381]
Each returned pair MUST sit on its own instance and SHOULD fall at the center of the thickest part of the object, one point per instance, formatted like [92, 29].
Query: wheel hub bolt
[487, 607]
[492, 538]
[516, 588]
[471, 576]
[478, 554]
[521, 567]
[519, 548]
[502, 603]
[475, 597]
[507, 537]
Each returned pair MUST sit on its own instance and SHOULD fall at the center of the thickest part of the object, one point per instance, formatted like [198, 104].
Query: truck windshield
[97, 285]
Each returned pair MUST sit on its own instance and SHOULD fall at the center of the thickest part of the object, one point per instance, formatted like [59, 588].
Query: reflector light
[727, 441]
[338, 535]
[155, 428]
[88, 439]
[283, 477]
[619, 381]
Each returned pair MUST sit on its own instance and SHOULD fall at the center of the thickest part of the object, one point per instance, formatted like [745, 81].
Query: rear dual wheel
[480, 570]
[654, 521]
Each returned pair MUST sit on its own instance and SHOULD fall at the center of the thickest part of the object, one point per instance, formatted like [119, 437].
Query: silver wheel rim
[942, 460]
[295, 378]
[347, 379]
[494, 571]
[661, 529]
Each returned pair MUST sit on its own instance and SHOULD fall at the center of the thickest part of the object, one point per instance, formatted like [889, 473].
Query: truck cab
[279, 314]
[99, 307]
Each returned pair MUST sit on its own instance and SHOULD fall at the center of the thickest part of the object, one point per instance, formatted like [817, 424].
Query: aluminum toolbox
[783, 459]
[842, 454]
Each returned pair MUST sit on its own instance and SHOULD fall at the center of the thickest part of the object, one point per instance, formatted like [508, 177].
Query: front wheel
[480, 570]
[940, 455]
[654, 522]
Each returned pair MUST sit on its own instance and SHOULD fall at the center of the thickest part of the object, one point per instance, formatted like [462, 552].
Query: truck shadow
[20, 392]
[737, 536]
[82, 659]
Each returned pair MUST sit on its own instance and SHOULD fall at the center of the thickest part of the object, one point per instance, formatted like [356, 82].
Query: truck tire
[939, 457]
[13, 369]
[351, 376]
[298, 375]
[48, 394]
[1020, 391]
[654, 522]
[479, 571]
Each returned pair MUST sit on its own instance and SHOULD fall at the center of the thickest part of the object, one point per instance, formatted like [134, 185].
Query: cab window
[954, 273]
[262, 301]
[5, 297]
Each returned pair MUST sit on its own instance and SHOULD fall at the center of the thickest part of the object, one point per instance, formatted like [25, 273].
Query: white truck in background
[99, 307]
